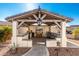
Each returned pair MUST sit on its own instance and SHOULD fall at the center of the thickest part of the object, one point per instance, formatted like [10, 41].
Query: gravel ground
[63, 51]
[18, 52]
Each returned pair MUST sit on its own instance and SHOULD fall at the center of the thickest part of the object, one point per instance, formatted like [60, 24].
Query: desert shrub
[1, 33]
[75, 33]
[5, 33]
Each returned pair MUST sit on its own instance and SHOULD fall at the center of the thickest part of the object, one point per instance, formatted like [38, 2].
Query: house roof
[26, 15]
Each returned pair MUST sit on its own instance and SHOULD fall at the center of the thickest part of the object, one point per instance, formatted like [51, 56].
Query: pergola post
[14, 33]
[63, 34]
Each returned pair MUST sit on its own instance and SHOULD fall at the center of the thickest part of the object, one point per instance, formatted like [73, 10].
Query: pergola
[31, 17]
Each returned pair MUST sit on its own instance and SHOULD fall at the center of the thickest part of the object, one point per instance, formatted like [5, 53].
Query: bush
[1, 33]
[75, 33]
[5, 33]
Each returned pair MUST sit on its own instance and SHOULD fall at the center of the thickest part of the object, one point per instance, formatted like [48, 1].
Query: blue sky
[66, 9]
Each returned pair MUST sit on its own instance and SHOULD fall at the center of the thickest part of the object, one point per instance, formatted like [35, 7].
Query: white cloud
[2, 20]
[30, 6]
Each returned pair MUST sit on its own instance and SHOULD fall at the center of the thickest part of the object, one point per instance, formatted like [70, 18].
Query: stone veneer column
[14, 33]
[63, 34]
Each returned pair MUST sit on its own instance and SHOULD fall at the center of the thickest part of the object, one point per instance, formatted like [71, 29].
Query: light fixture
[39, 22]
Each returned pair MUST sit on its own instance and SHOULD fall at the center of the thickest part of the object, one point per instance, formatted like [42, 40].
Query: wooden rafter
[39, 15]
[58, 24]
[35, 16]
[18, 16]
[43, 16]
[20, 24]
[58, 28]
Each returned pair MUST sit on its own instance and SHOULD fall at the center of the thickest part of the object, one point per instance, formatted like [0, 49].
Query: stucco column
[14, 33]
[63, 34]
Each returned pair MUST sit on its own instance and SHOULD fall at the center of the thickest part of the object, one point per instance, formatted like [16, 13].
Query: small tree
[5, 33]
[1, 33]
[75, 33]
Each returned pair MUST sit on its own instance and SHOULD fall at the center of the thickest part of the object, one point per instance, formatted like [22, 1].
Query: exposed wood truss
[39, 16]
[58, 24]
[35, 16]
[20, 24]
[43, 16]
[44, 20]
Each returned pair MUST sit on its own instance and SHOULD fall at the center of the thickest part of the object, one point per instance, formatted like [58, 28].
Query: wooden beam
[58, 16]
[44, 20]
[20, 24]
[58, 27]
[27, 20]
[39, 15]
[58, 24]
[47, 20]
[43, 16]
[35, 16]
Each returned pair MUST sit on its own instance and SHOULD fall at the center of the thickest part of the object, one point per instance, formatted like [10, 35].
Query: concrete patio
[42, 50]
[38, 50]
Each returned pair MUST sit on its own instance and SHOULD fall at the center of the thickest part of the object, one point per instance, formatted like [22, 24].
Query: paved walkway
[73, 43]
[38, 50]
[74, 40]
